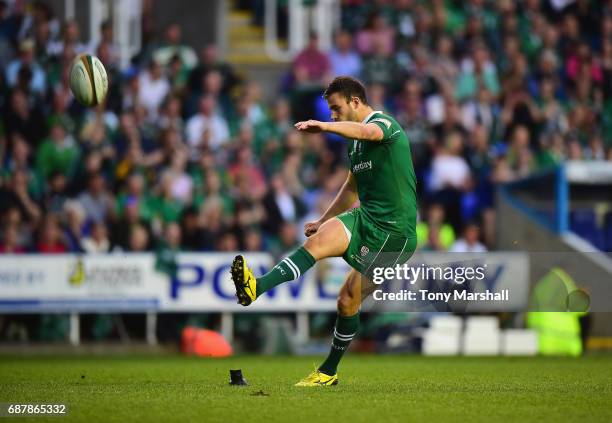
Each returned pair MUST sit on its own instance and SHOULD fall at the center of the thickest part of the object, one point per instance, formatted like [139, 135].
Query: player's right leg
[330, 240]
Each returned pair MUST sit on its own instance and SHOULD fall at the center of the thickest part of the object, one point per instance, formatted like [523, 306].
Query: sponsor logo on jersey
[360, 167]
[364, 250]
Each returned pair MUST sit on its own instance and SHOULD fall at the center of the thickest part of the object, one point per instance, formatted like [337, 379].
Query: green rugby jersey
[385, 177]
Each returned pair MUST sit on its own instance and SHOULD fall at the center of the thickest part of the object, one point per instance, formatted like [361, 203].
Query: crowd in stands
[184, 151]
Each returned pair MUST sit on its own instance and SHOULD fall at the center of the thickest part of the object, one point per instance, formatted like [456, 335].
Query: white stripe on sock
[297, 269]
[290, 268]
[343, 337]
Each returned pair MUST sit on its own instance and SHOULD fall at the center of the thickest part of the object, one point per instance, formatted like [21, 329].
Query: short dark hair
[347, 86]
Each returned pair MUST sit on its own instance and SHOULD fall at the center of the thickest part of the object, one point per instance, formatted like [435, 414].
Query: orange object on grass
[204, 343]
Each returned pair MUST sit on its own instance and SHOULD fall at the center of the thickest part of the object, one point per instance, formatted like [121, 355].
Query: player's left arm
[350, 130]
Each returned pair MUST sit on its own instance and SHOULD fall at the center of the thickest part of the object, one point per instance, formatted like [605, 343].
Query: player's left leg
[347, 321]
[355, 289]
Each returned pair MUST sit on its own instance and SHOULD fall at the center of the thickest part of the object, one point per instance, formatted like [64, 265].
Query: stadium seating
[443, 336]
[519, 342]
[482, 336]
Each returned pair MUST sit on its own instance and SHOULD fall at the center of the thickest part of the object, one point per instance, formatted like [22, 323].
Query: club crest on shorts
[364, 250]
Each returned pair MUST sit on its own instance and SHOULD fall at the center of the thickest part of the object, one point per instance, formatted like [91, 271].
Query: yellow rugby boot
[244, 281]
[318, 378]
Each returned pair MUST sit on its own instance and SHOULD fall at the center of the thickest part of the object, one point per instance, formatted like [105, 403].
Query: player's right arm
[347, 196]
[349, 130]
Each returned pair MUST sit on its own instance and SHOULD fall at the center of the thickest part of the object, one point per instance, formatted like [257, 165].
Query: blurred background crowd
[186, 152]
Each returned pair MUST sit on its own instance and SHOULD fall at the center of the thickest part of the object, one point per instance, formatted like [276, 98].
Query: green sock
[287, 270]
[346, 327]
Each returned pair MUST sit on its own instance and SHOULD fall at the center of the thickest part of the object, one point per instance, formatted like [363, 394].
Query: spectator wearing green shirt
[173, 46]
[167, 249]
[135, 192]
[215, 188]
[166, 207]
[267, 144]
[380, 67]
[552, 115]
[19, 159]
[479, 70]
[59, 152]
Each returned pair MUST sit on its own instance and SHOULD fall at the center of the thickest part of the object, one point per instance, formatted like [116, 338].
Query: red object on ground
[204, 343]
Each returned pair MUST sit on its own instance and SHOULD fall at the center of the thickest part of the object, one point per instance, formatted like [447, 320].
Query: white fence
[74, 284]
[69, 283]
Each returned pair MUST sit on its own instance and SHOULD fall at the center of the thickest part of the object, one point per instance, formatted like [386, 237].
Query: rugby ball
[88, 80]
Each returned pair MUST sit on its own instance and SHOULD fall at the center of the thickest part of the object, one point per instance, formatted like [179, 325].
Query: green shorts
[371, 247]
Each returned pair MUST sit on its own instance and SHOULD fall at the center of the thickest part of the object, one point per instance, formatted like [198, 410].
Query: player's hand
[311, 228]
[312, 126]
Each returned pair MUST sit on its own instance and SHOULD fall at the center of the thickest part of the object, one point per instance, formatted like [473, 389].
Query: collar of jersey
[367, 118]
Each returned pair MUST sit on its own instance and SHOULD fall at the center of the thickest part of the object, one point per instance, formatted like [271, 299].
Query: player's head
[345, 97]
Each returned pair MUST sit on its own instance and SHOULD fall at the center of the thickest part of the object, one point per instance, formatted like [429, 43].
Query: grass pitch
[372, 388]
